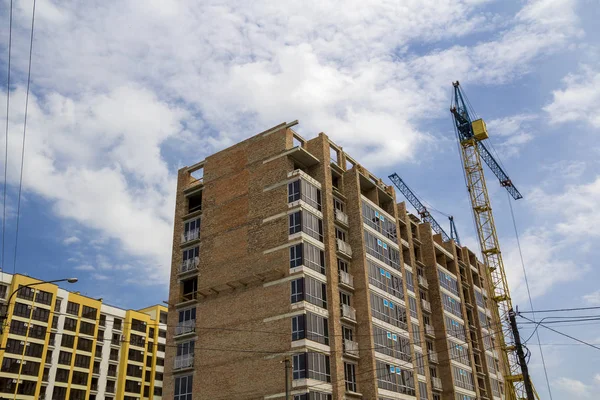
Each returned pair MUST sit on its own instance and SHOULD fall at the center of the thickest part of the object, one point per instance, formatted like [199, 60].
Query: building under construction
[295, 270]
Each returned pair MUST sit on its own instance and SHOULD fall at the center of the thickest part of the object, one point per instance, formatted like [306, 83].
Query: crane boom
[421, 209]
[470, 134]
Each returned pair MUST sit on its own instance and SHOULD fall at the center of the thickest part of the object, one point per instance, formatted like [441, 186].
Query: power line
[6, 135]
[564, 334]
[528, 290]
[558, 310]
[24, 132]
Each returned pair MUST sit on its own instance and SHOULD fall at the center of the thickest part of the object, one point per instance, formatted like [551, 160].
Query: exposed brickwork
[243, 328]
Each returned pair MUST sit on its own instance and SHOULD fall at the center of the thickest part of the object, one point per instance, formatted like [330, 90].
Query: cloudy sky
[126, 92]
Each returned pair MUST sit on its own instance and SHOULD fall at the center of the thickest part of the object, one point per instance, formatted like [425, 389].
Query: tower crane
[471, 135]
[423, 211]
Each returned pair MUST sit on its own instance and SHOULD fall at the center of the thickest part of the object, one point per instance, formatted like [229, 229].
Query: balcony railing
[343, 247]
[189, 265]
[348, 312]
[190, 235]
[189, 296]
[346, 279]
[426, 305]
[341, 217]
[436, 383]
[350, 348]
[185, 361]
[429, 330]
[433, 357]
[185, 327]
[423, 282]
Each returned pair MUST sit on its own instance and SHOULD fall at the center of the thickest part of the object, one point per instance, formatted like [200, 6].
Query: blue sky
[124, 93]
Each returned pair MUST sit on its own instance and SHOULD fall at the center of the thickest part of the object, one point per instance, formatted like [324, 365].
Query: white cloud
[573, 386]
[579, 101]
[597, 379]
[85, 267]
[592, 298]
[510, 133]
[71, 240]
[111, 108]
[575, 206]
[100, 277]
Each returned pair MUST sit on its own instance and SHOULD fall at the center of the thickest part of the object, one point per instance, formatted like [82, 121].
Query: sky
[124, 93]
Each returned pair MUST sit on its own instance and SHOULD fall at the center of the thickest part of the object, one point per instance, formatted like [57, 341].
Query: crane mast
[470, 135]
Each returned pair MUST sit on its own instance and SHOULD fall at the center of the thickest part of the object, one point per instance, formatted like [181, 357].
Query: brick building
[287, 249]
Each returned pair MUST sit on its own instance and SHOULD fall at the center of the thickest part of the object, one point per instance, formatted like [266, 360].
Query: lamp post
[4, 313]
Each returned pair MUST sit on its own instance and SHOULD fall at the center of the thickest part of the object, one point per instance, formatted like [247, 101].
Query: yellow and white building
[58, 345]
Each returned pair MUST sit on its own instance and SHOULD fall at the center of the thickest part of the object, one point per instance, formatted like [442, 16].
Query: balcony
[348, 313]
[189, 265]
[426, 305]
[436, 383]
[433, 357]
[190, 235]
[185, 361]
[346, 280]
[343, 248]
[423, 282]
[350, 348]
[341, 217]
[429, 331]
[191, 296]
[185, 327]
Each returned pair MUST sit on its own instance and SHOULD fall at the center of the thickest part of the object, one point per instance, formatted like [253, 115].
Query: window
[416, 334]
[310, 326]
[483, 320]
[62, 375]
[391, 344]
[412, 306]
[84, 344]
[311, 365]
[452, 305]
[37, 332]
[378, 221]
[394, 378]
[388, 311]
[138, 325]
[18, 327]
[136, 340]
[183, 387]
[309, 289]
[89, 312]
[448, 282]
[77, 394]
[40, 314]
[459, 353]
[67, 341]
[102, 321]
[43, 297]
[64, 358]
[297, 290]
[25, 292]
[350, 376]
[158, 376]
[117, 323]
[190, 254]
[495, 387]
[340, 234]
[191, 229]
[185, 355]
[58, 304]
[162, 333]
[72, 308]
[70, 324]
[82, 361]
[306, 222]
[132, 387]
[419, 362]
[303, 190]
[492, 363]
[463, 378]
[136, 355]
[3, 291]
[87, 328]
[163, 317]
[455, 328]
[382, 250]
[410, 285]
[308, 255]
[22, 310]
[479, 299]
[134, 370]
[423, 391]
[460, 396]
[385, 280]
[79, 378]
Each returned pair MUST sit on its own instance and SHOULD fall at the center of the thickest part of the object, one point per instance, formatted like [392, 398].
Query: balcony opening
[189, 289]
[195, 202]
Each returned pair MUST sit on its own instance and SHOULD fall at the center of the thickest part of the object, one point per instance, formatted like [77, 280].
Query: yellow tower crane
[471, 135]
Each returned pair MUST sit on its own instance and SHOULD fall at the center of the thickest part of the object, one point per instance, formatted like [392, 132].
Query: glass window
[391, 344]
[43, 297]
[72, 308]
[382, 250]
[385, 280]
[395, 378]
[183, 387]
[350, 376]
[388, 311]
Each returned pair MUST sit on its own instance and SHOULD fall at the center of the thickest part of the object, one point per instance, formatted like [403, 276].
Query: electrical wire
[528, 291]
[6, 134]
[566, 335]
[559, 310]
[24, 132]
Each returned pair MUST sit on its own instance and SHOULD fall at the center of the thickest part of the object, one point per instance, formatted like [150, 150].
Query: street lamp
[4, 313]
